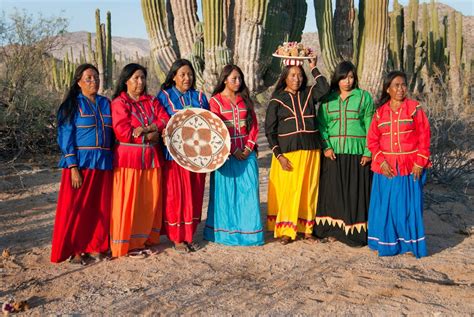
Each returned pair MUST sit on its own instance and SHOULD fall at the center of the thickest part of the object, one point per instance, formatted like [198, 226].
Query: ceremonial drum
[198, 140]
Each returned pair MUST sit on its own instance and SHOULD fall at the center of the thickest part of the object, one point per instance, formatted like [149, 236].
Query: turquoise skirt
[233, 215]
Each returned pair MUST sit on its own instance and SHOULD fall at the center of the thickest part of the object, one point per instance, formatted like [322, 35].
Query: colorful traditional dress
[400, 138]
[83, 214]
[137, 199]
[183, 190]
[233, 216]
[344, 188]
[291, 129]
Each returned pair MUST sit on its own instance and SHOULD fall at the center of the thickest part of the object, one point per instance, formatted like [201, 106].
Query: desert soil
[301, 278]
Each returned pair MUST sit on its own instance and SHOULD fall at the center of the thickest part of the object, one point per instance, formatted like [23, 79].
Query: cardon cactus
[372, 43]
[233, 32]
[369, 41]
[395, 45]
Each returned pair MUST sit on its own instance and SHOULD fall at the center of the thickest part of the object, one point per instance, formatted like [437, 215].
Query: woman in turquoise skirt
[233, 216]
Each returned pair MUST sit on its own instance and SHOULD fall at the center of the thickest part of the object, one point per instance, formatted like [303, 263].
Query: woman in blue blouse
[184, 190]
[85, 136]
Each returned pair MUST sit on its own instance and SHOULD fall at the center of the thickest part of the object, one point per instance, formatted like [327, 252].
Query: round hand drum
[197, 140]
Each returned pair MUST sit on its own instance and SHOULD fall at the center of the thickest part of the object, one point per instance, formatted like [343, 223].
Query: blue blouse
[86, 141]
[173, 100]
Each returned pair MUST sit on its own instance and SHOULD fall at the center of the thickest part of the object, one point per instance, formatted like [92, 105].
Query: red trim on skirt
[82, 215]
[183, 196]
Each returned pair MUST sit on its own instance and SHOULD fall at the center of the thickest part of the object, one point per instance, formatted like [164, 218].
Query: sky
[127, 18]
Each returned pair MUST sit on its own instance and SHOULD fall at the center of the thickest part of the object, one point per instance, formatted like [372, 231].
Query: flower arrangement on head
[293, 53]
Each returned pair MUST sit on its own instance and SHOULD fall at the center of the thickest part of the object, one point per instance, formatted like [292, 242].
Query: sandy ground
[297, 279]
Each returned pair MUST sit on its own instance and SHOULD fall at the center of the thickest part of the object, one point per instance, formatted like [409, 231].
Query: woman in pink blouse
[233, 216]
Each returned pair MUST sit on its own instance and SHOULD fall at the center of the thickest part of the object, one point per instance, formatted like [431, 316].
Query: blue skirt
[233, 215]
[395, 224]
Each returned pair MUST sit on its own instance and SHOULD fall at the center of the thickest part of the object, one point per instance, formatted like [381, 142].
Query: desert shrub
[452, 130]
[27, 105]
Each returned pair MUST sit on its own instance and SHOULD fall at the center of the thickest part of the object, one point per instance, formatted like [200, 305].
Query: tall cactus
[454, 64]
[324, 22]
[373, 44]
[156, 22]
[344, 17]
[233, 31]
[215, 49]
[410, 32]
[369, 40]
[108, 51]
[100, 54]
[396, 43]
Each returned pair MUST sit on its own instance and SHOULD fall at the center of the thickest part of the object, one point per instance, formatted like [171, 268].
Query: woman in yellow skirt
[138, 119]
[291, 131]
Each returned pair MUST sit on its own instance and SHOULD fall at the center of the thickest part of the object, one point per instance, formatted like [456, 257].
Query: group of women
[121, 189]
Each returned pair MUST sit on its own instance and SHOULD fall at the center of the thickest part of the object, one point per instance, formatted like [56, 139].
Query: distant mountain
[129, 47]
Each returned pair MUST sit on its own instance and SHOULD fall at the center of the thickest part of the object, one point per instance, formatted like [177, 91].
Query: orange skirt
[136, 209]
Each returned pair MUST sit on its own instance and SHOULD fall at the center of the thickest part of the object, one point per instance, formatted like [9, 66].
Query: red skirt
[82, 215]
[183, 195]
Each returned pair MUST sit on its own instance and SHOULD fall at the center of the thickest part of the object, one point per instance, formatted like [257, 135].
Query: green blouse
[343, 124]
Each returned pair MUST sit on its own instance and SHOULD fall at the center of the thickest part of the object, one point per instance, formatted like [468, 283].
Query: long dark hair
[384, 96]
[341, 72]
[281, 83]
[125, 75]
[68, 107]
[242, 92]
[169, 82]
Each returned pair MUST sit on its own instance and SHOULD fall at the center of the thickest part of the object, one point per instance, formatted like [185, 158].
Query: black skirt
[344, 193]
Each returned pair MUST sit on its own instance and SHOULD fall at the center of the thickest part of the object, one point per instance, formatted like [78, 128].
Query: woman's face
[294, 79]
[89, 82]
[233, 81]
[397, 89]
[183, 78]
[346, 84]
[136, 84]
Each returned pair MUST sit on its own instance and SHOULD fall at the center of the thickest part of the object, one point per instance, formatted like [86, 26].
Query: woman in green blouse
[344, 118]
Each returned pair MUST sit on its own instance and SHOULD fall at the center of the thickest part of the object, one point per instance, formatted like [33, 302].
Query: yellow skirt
[293, 196]
[136, 209]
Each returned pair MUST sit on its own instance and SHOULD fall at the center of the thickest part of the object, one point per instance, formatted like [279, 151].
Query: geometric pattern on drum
[198, 140]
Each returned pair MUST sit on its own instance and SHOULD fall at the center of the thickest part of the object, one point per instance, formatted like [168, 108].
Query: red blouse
[127, 114]
[234, 117]
[401, 137]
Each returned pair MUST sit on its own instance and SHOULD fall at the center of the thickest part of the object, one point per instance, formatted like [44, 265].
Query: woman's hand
[76, 178]
[138, 131]
[365, 160]
[152, 136]
[241, 155]
[386, 169]
[329, 153]
[416, 171]
[313, 62]
[285, 163]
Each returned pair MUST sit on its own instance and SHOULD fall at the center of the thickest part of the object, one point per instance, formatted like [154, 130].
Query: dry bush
[452, 131]
[27, 106]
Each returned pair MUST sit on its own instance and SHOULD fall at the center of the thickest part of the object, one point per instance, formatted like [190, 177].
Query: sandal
[285, 240]
[150, 251]
[193, 246]
[136, 254]
[181, 248]
[78, 260]
[310, 238]
[329, 239]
